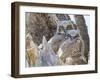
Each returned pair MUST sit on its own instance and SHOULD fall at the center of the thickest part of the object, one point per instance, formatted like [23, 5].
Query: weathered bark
[81, 24]
[31, 51]
[39, 24]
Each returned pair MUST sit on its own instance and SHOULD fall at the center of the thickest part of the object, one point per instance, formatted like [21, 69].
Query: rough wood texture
[80, 22]
[38, 25]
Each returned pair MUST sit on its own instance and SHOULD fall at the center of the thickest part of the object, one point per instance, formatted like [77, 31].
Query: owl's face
[73, 34]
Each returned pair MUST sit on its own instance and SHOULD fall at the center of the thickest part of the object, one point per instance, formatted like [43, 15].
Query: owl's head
[72, 34]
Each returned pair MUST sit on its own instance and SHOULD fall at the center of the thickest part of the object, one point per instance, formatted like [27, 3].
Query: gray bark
[81, 24]
[39, 24]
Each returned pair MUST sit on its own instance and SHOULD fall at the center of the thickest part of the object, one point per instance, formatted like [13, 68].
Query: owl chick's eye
[76, 36]
[69, 36]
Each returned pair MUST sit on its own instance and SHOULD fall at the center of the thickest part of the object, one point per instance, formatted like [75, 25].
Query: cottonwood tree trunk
[81, 24]
[38, 24]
